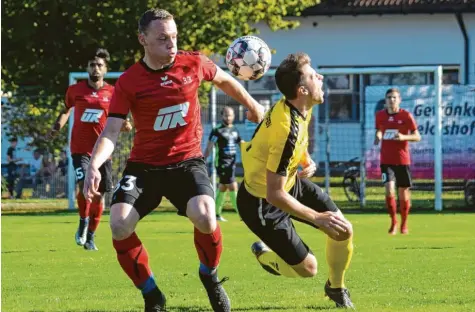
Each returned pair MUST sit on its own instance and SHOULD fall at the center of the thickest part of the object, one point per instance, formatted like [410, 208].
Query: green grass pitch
[432, 269]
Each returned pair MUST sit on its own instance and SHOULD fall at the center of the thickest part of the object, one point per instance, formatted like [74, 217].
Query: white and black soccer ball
[248, 58]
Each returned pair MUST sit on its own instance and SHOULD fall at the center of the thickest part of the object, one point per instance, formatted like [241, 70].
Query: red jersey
[90, 114]
[395, 152]
[164, 105]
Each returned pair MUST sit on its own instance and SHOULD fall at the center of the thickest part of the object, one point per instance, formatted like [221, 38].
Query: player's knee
[201, 212]
[308, 268]
[343, 236]
[120, 229]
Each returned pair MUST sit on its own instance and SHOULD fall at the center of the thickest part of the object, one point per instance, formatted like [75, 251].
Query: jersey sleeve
[281, 148]
[207, 69]
[213, 136]
[121, 101]
[69, 98]
[411, 122]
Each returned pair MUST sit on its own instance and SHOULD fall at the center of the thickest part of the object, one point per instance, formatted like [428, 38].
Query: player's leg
[134, 197]
[232, 187]
[281, 250]
[404, 182]
[190, 191]
[97, 205]
[339, 249]
[80, 163]
[388, 177]
[220, 197]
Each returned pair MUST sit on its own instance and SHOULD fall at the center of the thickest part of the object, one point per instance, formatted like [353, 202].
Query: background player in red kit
[91, 100]
[161, 91]
[395, 127]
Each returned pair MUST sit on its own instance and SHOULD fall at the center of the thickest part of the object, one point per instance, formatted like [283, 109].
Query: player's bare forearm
[378, 136]
[234, 89]
[105, 144]
[62, 119]
[277, 196]
[287, 203]
[413, 137]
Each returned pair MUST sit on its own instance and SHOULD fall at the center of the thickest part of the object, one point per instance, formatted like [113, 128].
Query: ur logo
[94, 94]
[92, 115]
[171, 117]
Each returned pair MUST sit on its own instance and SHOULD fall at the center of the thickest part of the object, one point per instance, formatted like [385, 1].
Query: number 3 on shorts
[127, 183]
[384, 177]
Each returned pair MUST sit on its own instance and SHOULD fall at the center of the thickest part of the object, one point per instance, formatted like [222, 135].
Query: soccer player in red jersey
[161, 92]
[91, 99]
[395, 127]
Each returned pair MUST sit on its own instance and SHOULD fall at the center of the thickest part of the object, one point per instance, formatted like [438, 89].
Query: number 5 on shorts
[79, 174]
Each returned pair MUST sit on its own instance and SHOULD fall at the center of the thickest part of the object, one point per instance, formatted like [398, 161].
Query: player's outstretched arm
[235, 90]
[102, 151]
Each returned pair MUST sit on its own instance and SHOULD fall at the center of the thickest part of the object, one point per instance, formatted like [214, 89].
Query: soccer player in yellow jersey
[274, 191]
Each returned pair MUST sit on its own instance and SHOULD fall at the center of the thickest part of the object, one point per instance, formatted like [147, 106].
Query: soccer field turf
[432, 269]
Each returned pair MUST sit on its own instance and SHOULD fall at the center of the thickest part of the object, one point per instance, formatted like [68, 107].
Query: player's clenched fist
[257, 114]
[91, 183]
[332, 224]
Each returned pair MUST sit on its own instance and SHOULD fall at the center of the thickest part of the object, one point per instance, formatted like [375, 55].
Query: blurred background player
[274, 192]
[161, 91]
[91, 99]
[12, 167]
[395, 127]
[227, 140]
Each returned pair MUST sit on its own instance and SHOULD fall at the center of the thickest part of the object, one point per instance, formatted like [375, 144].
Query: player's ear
[141, 37]
[303, 90]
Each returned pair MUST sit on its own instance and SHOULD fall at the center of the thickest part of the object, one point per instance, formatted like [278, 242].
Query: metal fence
[341, 131]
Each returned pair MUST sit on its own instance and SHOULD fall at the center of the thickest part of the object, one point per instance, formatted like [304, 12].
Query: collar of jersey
[387, 112]
[90, 87]
[294, 109]
[156, 70]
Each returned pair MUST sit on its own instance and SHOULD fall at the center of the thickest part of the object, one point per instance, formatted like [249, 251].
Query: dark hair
[393, 90]
[14, 139]
[100, 53]
[151, 15]
[288, 75]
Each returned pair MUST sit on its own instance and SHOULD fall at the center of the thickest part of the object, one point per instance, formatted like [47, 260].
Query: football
[248, 58]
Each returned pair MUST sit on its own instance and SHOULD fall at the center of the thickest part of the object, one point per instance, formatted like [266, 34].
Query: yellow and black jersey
[278, 145]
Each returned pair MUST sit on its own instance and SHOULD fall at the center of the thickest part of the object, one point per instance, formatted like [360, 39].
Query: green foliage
[48, 39]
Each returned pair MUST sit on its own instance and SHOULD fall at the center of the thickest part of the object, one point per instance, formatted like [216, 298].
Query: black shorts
[143, 186]
[80, 163]
[401, 174]
[226, 173]
[274, 226]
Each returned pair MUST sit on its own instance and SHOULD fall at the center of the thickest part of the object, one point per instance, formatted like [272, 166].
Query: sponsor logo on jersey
[171, 117]
[94, 95]
[165, 81]
[92, 115]
[389, 134]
